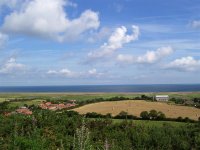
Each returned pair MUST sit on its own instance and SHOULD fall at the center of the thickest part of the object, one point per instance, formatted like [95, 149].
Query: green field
[22, 103]
[2, 99]
[151, 123]
[86, 96]
[65, 96]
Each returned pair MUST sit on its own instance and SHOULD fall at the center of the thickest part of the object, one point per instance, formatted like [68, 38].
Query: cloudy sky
[78, 42]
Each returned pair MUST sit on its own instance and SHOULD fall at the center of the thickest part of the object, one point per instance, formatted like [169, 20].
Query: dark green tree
[144, 115]
[153, 114]
[161, 116]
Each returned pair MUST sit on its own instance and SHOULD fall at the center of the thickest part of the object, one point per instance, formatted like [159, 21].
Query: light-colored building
[163, 98]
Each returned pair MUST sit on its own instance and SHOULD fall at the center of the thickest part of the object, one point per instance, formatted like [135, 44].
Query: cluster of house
[21, 110]
[50, 106]
[45, 105]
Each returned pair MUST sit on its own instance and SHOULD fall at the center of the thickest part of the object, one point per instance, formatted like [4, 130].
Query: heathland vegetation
[48, 130]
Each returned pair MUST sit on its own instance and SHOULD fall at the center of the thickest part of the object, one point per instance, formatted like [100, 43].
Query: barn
[163, 98]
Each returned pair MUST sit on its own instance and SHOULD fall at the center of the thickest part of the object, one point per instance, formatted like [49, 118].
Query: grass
[151, 123]
[22, 103]
[2, 100]
[185, 95]
[65, 96]
[148, 123]
[86, 96]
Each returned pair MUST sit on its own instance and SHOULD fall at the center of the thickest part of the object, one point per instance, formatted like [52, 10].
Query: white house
[163, 98]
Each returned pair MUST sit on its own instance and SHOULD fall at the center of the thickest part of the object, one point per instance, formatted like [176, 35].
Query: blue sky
[62, 42]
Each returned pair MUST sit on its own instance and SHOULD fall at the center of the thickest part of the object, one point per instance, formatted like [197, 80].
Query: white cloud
[184, 64]
[149, 57]
[71, 74]
[11, 66]
[125, 58]
[13, 4]
[153, 56]
[3, 39]
[196, 24]
[72, 4]
[99, 35]
[116, 41]
[47, 18]
[92, 71]
[52, 72]
[63, 72]
[10, 3]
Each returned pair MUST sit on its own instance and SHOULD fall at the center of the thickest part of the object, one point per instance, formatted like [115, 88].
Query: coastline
[150, 88]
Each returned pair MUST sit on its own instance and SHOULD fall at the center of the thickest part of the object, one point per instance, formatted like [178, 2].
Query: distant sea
[105, 88]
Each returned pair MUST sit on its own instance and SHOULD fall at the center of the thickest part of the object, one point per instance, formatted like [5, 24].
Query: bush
[108, 115]
[144, 115]
[196, 100]
[93, 115]
[179, 119]
[144, 97]
[161, 116]
[3, 107]
[153, 114]
[177, 100]
[121, 115]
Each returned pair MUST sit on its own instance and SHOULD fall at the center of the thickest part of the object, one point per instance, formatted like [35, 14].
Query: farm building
[163, 98]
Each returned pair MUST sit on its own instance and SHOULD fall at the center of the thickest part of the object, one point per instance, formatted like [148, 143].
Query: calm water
[106, 88]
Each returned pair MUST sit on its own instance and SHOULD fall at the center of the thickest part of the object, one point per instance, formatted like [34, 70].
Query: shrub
[180, 119]
[94, 115]
[153, 114]
[121, 115]
[161, 116]
[144, 115]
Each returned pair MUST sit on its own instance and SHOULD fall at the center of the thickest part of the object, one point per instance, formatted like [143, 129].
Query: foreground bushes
[46, 130]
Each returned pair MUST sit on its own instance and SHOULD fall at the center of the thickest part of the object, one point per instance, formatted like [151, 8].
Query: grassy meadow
[151, 123]
[22, 103]
[87, 96]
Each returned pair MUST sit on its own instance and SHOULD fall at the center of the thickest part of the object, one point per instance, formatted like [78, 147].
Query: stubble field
[135, 107]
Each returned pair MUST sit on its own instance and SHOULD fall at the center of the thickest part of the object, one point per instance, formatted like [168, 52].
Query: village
[44, 105]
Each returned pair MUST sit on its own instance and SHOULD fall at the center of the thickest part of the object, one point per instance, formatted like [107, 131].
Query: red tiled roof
[50, 106]
[24, 111]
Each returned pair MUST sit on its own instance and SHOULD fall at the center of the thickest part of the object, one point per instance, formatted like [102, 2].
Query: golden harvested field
[135, 107]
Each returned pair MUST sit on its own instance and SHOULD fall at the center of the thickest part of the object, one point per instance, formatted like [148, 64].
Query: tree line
[144, 115]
